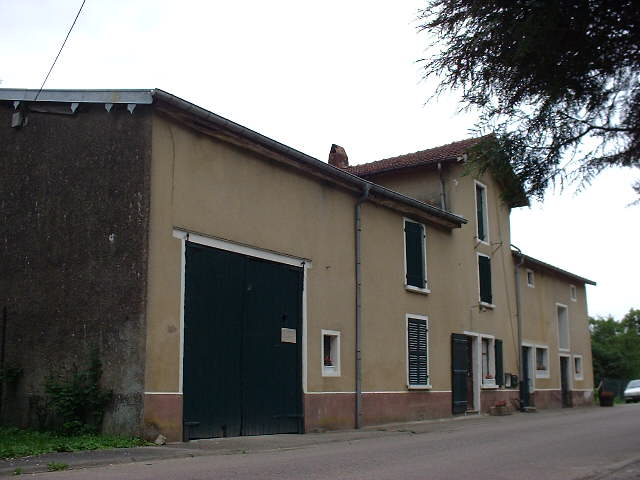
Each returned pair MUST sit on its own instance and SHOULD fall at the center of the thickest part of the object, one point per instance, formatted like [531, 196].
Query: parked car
[632, 392]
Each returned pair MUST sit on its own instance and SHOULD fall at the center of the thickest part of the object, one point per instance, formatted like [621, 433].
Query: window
[531, 279]
[415, 256]
[484, 280]
[563, 326]
[573, 293]
[330, 353]
[491, 362]
[417, 352]
[482, 220]
[542, 362]
[577, 367]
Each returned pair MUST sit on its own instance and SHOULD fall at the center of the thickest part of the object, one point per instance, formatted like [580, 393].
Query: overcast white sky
[310, 74]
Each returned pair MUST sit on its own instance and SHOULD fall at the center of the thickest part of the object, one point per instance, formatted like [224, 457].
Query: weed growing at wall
[78, 400]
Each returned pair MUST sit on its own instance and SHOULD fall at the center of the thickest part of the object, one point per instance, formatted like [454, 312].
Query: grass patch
[15, 442]
[56, 467]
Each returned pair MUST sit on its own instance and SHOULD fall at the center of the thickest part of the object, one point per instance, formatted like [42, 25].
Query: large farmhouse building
[235, 286]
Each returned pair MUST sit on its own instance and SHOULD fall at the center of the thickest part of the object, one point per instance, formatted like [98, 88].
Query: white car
[632, 392]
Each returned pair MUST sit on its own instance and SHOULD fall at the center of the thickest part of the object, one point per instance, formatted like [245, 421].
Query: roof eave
[547, 266]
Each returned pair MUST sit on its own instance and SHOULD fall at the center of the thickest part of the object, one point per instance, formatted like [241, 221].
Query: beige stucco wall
[540, 324]
[454, 269]
[212, 188]
[453, 304]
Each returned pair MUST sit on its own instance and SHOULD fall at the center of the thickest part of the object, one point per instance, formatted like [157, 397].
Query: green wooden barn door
[214, 296]
[271, 383]
[242, 345]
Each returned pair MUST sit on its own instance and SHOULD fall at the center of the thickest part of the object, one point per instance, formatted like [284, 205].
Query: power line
[59, 51]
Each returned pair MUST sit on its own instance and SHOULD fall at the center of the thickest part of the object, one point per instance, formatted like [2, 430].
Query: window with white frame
[330, 353]
[484, 280]
[542, 362]
[415, 255]
[531, 279]
[418, 352]
[488, 364]
[562, 313]
[573, 293]
[577, 367]
[482, 215]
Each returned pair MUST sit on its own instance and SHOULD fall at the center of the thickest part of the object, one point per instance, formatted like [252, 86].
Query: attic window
[531, 279]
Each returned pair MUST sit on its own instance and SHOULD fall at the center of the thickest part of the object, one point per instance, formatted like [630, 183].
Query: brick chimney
[338, 157]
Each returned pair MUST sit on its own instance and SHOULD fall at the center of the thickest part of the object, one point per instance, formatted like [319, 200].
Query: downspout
[358, 229]
[519, 327]
[443, 195]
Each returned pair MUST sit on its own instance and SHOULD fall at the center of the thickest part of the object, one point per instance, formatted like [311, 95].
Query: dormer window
[482, 218]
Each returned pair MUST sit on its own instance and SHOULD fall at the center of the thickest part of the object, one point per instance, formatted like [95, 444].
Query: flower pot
[606, 399]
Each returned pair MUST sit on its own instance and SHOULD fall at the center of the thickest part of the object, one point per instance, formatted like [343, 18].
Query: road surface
[560, 444]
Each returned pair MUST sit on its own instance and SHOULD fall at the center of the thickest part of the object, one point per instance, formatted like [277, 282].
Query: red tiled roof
[433, 155]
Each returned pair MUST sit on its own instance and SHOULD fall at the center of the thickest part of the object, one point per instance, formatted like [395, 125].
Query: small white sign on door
[288, 335]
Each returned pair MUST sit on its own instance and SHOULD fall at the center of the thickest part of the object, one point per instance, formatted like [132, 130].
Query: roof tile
[424, 157]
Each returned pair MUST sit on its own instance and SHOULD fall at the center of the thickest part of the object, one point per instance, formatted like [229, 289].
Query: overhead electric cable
[60, 51]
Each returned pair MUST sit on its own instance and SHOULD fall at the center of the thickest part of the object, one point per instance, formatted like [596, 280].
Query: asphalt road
[561, 444]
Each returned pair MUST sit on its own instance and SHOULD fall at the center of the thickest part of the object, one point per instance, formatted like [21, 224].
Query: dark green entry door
[525, 382]
[564, 381]
[461, 372]
[242, 363]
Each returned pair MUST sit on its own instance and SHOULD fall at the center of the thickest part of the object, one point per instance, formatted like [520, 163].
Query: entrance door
[525, 383]
[564, 382]
[461, 373]
[242, 345]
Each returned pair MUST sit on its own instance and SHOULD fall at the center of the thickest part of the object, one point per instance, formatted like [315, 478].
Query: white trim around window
[330, 360]
[413, 288]
[531, 278]
[573, 293]
[542, 372]
[565, 308]
[578, 367]
[410, 386]
[485, 212]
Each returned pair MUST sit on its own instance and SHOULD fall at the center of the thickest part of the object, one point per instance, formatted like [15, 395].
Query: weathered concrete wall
[74, 217]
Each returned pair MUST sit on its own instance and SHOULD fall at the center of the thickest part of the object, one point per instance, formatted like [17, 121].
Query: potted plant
[606, 398]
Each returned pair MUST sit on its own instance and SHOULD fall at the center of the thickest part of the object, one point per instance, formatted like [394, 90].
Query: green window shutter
[414, 252]
[484, 269]
[417, 342]
[480, 212]
[499, 364]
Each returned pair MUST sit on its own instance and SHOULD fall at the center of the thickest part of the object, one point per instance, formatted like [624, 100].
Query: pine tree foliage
[558, 81]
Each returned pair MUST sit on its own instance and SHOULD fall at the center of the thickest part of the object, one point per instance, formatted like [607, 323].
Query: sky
[310, 74]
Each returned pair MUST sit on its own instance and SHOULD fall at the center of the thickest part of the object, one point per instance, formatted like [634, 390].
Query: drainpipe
[358, 229]
[443, 195]
[519, 328]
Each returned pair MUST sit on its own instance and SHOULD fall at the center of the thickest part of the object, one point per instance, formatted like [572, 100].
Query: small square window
[542, 362]
[531, 279]
[573, 293]
[330, 353]
[577, 366]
